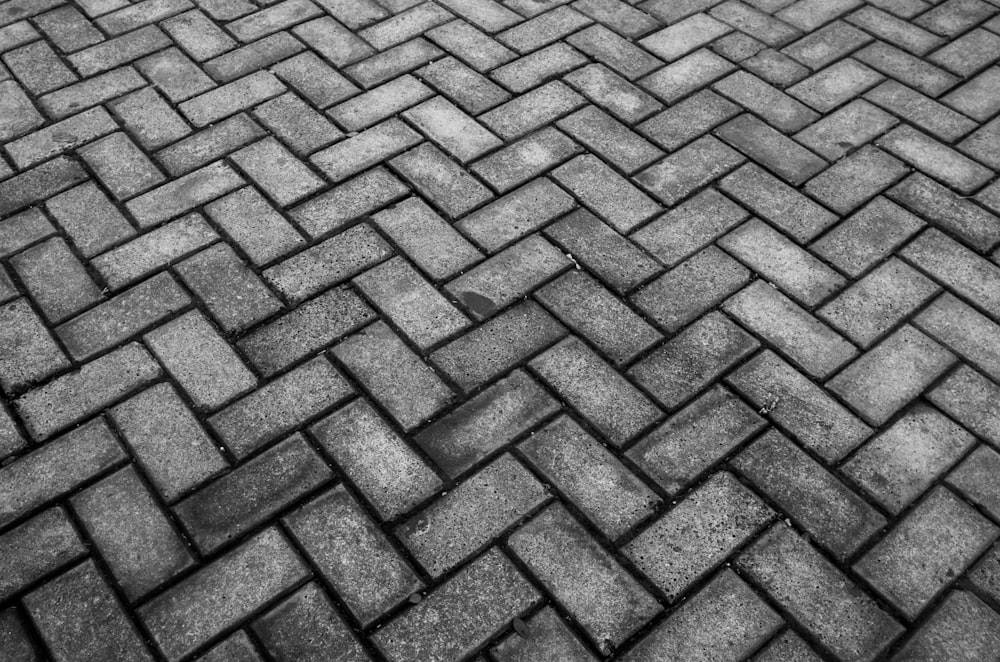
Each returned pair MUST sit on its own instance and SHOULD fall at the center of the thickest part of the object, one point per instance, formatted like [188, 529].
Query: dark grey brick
[89, 218]
[280, 406]
[517, 214]
[486, 423]
[222, 593]
[390, 474]
[56, 279]
[608, 602]
[231, 505]
[27, 352]
[133, 535]
[353, 554]
[80, 618]
[25, 561]
[256, 227]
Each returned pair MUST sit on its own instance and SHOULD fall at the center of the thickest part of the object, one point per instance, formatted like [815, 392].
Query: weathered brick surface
[499, 330]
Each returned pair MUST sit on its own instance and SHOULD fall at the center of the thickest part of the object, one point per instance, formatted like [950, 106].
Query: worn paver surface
[499, 330]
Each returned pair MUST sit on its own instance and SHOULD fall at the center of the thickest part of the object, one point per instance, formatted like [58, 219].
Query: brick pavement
[499, 330]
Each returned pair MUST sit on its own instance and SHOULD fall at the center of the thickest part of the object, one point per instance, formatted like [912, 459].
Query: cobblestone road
[499, 331]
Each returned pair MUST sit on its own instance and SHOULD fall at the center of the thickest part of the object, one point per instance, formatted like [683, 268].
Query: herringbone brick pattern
[499, 330]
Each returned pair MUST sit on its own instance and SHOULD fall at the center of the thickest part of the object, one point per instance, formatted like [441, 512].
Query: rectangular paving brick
[958, 268]
[855, 179]
[594, 480]
[603, 397]
[691, 288]
[818, 596]
[60, 137]
[947, 210]
[515, 215]
[252, 57]
[231, 98]
[936, 541]
[531, 70]
[725, 620]
[609, 138]
[353, 199]
[56, 468]
[796, 404]
[606, 193]
[776, 258]
[891, 374]
[55, 279]
[460, 615]
[89, 218]
[222, 593]
[687, 119]
[86, 391]
[235, 503]
[934, 158]
[181, 195]
[390, 474]
[690, 226]
[28, 354]
[968, 397]
[122, 316]
[616, 260]
[235, 297]
[256, 227]
[394, 375]
[39, 183]
[297, 124]
[497, 345]
[603, 597]
[692, 359]
[451, 188]
[627, 102]
[350, 550]
[849, 127]
[688, 169]
[964, 330]
[699, 546]
[524, 265]
[132, 261]
[121, 166]
[365, 149]
[277, 172]
[25, 564]
[198, 35]
[897, 466]
[592, 311]
[22, 230]
[682, 37]
[90, 92]
[780, 110]
[79, 617]
[280, 406]
[411, 303]
[39, 68]
[896, 31]
[978, 97]
[835, 516]
[380, 103]
[456, 132]
[304, 330]
[176, 75]
[768, 147]
[466, 519]
[328, 263]
[531, 110]
[879, 301]
[431, 242]
[209, 144]
[938, 120]
[809, 343]
[486, 423]
[133, 535]
[169, 443]
[471, 45]
[395, 61]
[205, 366]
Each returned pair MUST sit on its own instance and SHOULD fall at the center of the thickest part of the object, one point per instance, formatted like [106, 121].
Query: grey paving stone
[37, 184]
[947, 210]
[687, 119]
[699, 543]
[779, 109]
[89, 218]
[181, 195]
[777, 202]
[550, 640]
[608, 137]
[275, 170]
[792, 401]
[691, 288]
[380, 103]
[963, 628]
[208, 144]
[835, 516]
[726, 620]
[134, 536]
[308, 610]
[969, 397]
[516, 214]
[760, 142]
[14, 636]
[176, 75]
[607, 194]
[55, 279]
[977, 98]
[24, 563]
[449, 187]
[891, 374]
[256, 227]
[855, 179]
[222, 593]
[532, 110]
[168, 442]
[964, 330]
[936, 159]
[233, 504]
[103, 630]
[28, 354]
[818, 595]
[688, 169]
[692, 359]
[920, 556]
[469, 517]
[694, 439]
[231, 98]
[625, 101]
[390, 474]
[86, 391]
[814, 347]
[394, 375]
[328, 263]
[487, 422]
[280, 406]
[297, 124]
[608, 603]
[353, 554]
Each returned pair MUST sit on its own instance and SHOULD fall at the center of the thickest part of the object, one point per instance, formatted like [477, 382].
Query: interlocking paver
[509, 330]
